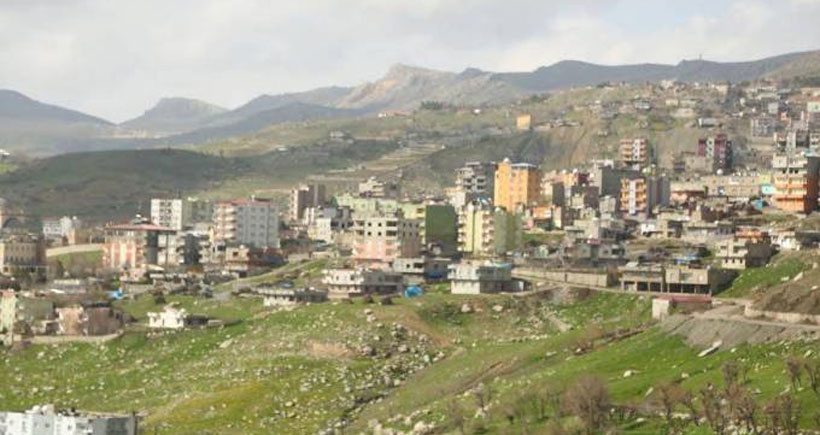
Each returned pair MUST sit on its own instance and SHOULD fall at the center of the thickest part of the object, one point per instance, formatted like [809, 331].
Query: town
[684, 230]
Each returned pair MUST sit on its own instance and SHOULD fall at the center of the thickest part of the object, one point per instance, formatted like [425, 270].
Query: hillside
[174, 115]
[501, 365]
[116, 184]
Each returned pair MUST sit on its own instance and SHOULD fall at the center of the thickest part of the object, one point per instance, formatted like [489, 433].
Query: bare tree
[588, 399]
[667, 397]
[794, 367]
[710, 399]
[784, 414]
[731, 373]
[813, 373]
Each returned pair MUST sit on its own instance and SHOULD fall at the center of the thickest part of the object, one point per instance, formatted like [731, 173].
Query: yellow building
[516, 184]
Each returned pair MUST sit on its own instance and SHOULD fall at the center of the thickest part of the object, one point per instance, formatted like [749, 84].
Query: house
[427, 267]
[347, 283]
[742, 252]
[674, 278]
[285, 297]
[46, 420]
[135, 247]
[471, 278]
[175, 318]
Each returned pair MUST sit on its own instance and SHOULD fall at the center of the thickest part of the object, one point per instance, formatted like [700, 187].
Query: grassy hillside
[422, 360]
[116, 184]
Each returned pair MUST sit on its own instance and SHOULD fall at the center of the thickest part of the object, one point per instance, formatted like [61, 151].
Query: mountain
[569, 73]
[174, 115]
[32, 127]
[327, 97]
[291, 112]
[405, 87]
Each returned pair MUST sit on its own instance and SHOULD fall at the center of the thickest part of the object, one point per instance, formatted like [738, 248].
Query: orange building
[634, 152]
[796, 180]
[516, 184]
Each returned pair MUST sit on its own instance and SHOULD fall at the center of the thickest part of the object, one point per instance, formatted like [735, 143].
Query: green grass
[755, 280]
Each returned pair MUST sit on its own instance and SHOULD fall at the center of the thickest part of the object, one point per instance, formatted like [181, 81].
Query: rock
[798, 277]
[498, 308]
[225, 344]
[466, 308]
[630, 373]
[684, 375]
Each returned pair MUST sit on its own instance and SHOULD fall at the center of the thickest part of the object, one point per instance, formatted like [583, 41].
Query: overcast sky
[116, 58]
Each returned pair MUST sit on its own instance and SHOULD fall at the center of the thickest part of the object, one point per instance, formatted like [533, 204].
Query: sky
[117, 58]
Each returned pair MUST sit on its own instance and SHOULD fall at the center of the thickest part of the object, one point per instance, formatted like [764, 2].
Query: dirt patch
[701, 333]
[327, 350]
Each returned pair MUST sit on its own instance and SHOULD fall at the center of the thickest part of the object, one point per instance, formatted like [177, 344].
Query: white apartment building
[474, 278]
[179, 213]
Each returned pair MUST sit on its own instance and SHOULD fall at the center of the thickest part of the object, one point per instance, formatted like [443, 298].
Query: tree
[456, 413]
[784, 414]
[588, 400]
[813, 373]
[667, 397]
[794, 367]
[710, 399]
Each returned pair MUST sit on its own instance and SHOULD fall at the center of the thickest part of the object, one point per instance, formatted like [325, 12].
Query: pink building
[381, 239]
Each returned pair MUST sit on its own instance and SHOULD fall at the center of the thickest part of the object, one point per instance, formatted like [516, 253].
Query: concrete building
[796, 180]
[89, 320]
[253, 222]
[674, 279]
[425, 267]
[469, 278]
[640, 195]
[133, 248]
[304, 197]
[523, 122]
[22, 253]
[477, 179]
[347, 283]
[35, 312]
[178, 213]
[487, 231]
[380, 239]
[635, 153]
[373, 188]
[62, 227]
[718, 150]
[46, 420]
[742, 252]
[516, 184]
[326, 223]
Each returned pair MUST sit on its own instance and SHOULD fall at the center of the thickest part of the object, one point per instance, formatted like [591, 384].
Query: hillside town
[679, 228]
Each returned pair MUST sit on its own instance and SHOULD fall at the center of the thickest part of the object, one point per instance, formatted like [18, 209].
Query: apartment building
[253, 222]
[640, 195]
[796, 179]
[132, 248]
[22, 252]
[381, 238]
[740, 253]
[634, 153]
[347, 283]
[60, 227]
[180, 213]
[717, 150]
[486, 231]
[516, 184]
[46, 420]
[304, 197]
[477, 179]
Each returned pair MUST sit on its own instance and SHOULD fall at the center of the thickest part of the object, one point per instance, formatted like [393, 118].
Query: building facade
[253, 222]
[796, 180]
[516, 184]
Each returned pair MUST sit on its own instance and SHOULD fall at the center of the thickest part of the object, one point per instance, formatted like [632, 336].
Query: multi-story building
[718, 150]
[22, 252]
[132, 248]
[253, 222]
[486, 231]
[635, 153]
[46, 420]
[477, 179]
[640, 195]
[347, 283]
[178, 213]
[381, 238]
[741, 253]
[796, 179]
[516, 184]
[62, 227]
[304, 197]
[469, 278]
[326, 223]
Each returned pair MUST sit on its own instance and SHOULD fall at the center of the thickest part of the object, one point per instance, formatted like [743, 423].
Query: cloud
[115, 59]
